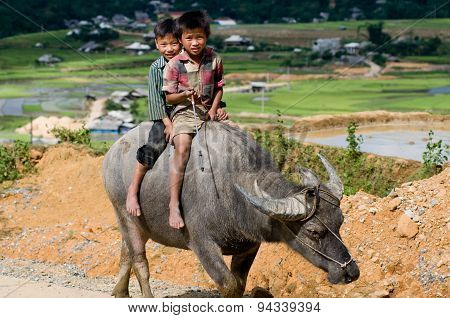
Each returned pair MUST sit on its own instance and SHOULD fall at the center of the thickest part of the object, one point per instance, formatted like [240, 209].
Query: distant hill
[246, 11]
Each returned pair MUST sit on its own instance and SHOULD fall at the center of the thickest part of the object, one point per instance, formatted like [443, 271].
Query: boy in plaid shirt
[196, 74]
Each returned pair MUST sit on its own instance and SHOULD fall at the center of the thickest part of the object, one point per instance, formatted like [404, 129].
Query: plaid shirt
[182, 73]
[157, 107]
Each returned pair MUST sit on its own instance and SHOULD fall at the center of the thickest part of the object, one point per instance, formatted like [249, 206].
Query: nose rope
[317, 191]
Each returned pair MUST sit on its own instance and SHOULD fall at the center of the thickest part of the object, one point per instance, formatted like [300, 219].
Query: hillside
[61, 215]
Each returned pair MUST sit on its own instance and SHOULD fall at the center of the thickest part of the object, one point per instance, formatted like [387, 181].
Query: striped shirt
[157, 107]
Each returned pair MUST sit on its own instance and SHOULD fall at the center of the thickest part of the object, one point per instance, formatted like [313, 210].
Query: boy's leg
[178, 166]
[146, 157]
[133, 206]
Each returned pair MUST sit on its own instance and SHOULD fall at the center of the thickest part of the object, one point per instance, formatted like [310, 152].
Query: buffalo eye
[313, 233]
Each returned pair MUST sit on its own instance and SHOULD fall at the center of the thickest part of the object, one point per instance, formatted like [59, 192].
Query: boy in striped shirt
[169, 46]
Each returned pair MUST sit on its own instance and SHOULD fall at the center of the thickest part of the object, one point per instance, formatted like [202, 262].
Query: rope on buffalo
[210, 163]
[200, 155]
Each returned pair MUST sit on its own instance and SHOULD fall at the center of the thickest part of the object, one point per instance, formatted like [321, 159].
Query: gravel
[69, 275]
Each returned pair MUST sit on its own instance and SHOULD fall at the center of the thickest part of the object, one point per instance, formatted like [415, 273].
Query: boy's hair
[165, 27]
[192, 20]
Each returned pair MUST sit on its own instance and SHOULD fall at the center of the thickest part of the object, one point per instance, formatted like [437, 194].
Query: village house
[125, 98]
[137, 26]
[288, 20]
[99, 19]
[91, 46]
[119, 20]
[150, 36]
[48, 59]
[142, 17]
[323, 17]
[352, 48]
[331, 44]
[225, 22]
[137, 48]
[237, 41]
[160, 7]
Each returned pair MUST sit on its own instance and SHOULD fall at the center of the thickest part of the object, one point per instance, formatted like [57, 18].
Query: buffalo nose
[352, 273]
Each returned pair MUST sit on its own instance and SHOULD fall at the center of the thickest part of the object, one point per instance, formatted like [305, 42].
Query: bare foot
[175, 219]
[133, 206]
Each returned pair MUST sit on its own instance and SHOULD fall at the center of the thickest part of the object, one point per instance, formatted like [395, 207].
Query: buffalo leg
[135, 239]
[212, 260]
[121, 289]
[240, 266]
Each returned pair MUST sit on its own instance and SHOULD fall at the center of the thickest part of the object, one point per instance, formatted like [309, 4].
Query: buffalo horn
[334, 184]
[309, 178]
[287, 209]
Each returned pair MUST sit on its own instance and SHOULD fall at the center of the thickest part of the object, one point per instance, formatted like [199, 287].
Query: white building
[225, 22]
[352, 48]
[322, 45]
[138, 48]
[237, 41]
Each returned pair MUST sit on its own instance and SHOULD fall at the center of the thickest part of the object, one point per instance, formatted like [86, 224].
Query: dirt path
[97, 109]
[29, 278]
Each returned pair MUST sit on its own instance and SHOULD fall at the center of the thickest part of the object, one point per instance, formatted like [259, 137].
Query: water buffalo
[233, 198]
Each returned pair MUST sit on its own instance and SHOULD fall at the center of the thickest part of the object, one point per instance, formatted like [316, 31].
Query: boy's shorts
[184, 123]
[149, 153]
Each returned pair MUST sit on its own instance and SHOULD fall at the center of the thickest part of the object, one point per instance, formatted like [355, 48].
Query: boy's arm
[217, 97]
[156, 102]
[218, 91]
[177, 98]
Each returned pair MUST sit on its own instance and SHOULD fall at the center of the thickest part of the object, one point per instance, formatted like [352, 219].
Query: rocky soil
[58, 226]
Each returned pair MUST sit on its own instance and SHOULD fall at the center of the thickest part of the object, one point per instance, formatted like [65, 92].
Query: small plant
[111, 105]
[21, 153]
[354, 141]
[8, 169]
[435, 155]
[15, 160]
[81, 136]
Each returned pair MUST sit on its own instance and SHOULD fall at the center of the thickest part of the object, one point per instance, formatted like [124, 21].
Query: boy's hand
[168, 127]
[189, 93]
[222, 114]
[212, 113]
[168, 132]
[171, 137]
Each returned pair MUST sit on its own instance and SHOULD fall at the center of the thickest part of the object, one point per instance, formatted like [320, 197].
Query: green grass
[14, 136]
[10, 123]
[32, 108]
[314, 97]
[444, 59]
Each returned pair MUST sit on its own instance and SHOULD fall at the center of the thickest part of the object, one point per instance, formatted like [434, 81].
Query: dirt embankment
[369, 118]
[401, 242]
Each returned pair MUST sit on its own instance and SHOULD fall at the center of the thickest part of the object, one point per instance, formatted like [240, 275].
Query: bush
[374, 175]
[379, 59]
[8, 169]
[111, 105]
[81, 136]
[15, 160]
[354, 142]
[435, 155]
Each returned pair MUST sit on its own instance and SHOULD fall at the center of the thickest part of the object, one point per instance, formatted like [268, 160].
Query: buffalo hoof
[259, 292]
[117, 294]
